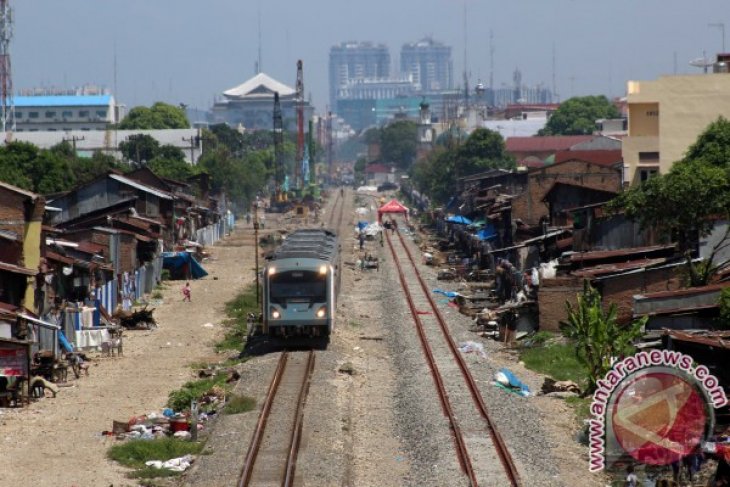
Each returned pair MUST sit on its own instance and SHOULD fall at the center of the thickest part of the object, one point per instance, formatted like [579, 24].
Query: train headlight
[275, 314]
[272, 271]
[322, 270]
[321, 312]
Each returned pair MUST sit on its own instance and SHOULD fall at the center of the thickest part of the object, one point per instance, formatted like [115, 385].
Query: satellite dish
[701, 62]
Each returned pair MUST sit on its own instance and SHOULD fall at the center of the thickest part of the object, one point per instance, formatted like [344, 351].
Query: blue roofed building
[65, 113]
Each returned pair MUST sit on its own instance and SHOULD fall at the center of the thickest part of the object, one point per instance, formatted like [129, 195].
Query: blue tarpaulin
[361, 225]
[182, 265]
[487, 232]
[459, 220]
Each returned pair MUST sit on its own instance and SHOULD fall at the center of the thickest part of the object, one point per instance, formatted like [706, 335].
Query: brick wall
[12, 212]
[551, 298]
[127, 253]
[529, 206]
[620, 290]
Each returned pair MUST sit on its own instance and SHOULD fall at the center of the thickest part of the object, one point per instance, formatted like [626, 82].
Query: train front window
[297, 285]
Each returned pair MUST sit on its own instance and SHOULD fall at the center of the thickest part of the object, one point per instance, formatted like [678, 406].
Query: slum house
[109, 190]
[22, 333]
[696, 308]
[126, 218]
[530, 208]
[197, 215]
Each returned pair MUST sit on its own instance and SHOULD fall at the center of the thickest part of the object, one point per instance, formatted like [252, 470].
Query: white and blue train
[300, 285]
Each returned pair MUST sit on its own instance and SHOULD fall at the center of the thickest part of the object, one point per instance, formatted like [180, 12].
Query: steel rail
[258, 434]
[501, 447]
[296, 436]
[462, 453]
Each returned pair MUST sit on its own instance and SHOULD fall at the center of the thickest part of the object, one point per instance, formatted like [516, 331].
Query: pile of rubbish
[174, 465]
[156, 425]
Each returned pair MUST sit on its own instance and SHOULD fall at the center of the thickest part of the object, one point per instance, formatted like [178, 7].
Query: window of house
[18, 114]
[67, 114]
[50, 114]
[101, 113]
[646, 174]
[648, 157]
[83, 113]
[33, 115]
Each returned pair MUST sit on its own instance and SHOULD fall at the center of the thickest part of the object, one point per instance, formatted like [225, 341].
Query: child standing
[186, 292]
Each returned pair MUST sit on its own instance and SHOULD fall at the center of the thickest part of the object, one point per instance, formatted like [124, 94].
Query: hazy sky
[190, 51]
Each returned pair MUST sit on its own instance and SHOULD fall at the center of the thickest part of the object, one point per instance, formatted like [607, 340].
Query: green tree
[484, 149]
[598, 336]
[169, 162]
[398, 143]
[86, 169]
[713, 145]
[139, 149]
[578, 115]
[683, 204]
[158, 116]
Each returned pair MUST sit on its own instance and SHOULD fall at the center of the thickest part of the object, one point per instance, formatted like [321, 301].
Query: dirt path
[57, 442]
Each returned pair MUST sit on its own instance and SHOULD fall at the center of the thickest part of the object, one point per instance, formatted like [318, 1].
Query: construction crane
[300, 124]
[6, 79]
[279, 195]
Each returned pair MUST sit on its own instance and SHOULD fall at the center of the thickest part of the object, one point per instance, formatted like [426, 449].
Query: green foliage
[169, 162]
[437, 174]
[135, 453]
[598, 336]
[724, 320]
[237, 311]
[180, 399]
[139, 149]
[558, 360]
[49, 171]
[239, 404]
[398, 143]
[158, 116]
[578, 115]
[713, 145]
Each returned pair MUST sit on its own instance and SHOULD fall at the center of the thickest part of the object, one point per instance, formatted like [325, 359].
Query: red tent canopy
[392, 206]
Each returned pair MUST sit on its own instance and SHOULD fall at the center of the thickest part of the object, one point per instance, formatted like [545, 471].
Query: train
[301, 282]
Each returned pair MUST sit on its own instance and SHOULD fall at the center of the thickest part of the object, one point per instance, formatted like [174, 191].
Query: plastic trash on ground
[506, 379]
[472, 347]
[448, 294]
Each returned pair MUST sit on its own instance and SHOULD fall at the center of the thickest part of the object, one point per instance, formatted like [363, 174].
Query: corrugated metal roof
[4, 266]
[141, 187]
[607, 254]
[544, 144]
[718, 340]
[62, 101]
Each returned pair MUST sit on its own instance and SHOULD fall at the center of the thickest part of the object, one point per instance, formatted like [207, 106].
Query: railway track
[481, 451]
[338, 207]
[272, 454]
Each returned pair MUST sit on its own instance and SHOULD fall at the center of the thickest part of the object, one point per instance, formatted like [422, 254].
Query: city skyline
[178, 52]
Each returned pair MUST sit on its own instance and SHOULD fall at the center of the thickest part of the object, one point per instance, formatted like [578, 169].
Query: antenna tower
[278, 147]
[466, 62]
[300, 122]
[491, 61]
[6, 78]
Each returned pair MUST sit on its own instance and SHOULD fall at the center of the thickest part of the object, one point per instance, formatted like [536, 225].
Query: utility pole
[195, 142]
[256, 247]
[300, 123]
[7, 102]
[330, 142]
[73, 139]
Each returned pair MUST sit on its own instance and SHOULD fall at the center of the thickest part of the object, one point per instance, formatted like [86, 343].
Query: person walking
[186, 292]
[361, 238]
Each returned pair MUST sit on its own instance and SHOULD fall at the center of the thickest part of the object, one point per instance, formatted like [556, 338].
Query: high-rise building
[354, 61]
[428, 63]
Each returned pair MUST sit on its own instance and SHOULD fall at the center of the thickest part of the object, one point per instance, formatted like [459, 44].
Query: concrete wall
[686, 106]
[551, 298]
